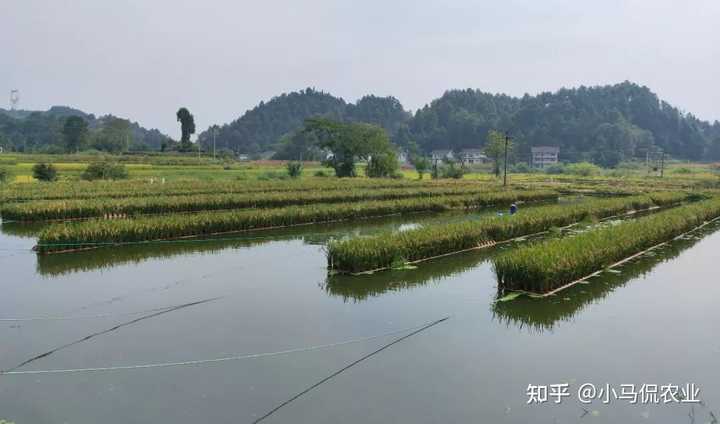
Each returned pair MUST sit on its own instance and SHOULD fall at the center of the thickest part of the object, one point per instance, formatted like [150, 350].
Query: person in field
[513, 209]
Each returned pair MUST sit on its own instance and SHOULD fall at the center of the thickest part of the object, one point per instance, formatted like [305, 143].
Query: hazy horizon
[144, 60]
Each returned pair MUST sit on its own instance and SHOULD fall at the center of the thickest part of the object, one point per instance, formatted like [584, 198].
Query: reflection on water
[107, 257]
[473, 368]
[25, 230]
[359, 288]
[543, 314]
[534, 314]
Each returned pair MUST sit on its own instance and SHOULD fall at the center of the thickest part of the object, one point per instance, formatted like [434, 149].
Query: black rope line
[99, 333]
[347, 367]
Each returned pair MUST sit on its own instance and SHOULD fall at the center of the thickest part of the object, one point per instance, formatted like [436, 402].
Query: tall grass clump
[95, 208]
[386, 249]
[153, 187]
[553, 264]
[90, 233]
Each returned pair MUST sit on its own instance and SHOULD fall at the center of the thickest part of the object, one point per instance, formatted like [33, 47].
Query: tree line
[604, 124]
[62, 129]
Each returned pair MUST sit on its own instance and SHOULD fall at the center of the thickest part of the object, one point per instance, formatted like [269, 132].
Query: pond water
[655, 322]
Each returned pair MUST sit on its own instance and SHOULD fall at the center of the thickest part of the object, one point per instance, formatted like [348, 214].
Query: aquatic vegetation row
[145, 188]
[103, 207]
[556, 263]
[95, 232]
[391, 248]
[542, 314]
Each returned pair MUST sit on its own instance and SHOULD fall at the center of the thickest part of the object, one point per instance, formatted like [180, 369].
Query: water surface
[655, 322]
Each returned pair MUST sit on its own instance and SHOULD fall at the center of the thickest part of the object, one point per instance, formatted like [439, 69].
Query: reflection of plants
[356, 289]
[363, 254]
[52, 265]
[543, 314]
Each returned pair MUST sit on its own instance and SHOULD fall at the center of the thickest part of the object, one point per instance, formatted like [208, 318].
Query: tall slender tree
[495, 149]
[74, 133]
[187, 127]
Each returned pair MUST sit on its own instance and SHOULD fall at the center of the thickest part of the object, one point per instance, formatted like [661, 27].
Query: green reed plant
[382, 250]
[91, 232]
[95, 208]
[552, 264]
[63, 190]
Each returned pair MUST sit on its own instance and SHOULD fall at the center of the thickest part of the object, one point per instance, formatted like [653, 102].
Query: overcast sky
[142, 59]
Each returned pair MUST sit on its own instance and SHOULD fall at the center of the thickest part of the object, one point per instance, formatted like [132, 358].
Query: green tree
[450, 169]
[350, 142]
[299, 145]
[44, 172]
[74, 133]
[495, 149]
[294, 169]
[114, 136]
[381, 165]
[714, 150]
[187, 127]
[104, 171]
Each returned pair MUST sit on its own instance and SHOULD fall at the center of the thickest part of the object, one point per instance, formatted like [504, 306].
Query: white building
[403, 157]
[438, 155]
[543, 156]
[473, 156]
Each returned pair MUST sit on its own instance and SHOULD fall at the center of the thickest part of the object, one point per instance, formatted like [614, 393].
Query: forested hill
[40, 131]
[606, 124]
[261, 128]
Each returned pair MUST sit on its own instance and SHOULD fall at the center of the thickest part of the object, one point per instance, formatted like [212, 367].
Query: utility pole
[214, 132]
[507, 139]
[14, 99]
[662, 164]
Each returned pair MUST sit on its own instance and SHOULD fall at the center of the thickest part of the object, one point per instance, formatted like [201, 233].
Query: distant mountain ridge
[604, 124]
[261, 128]
[38, 130]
